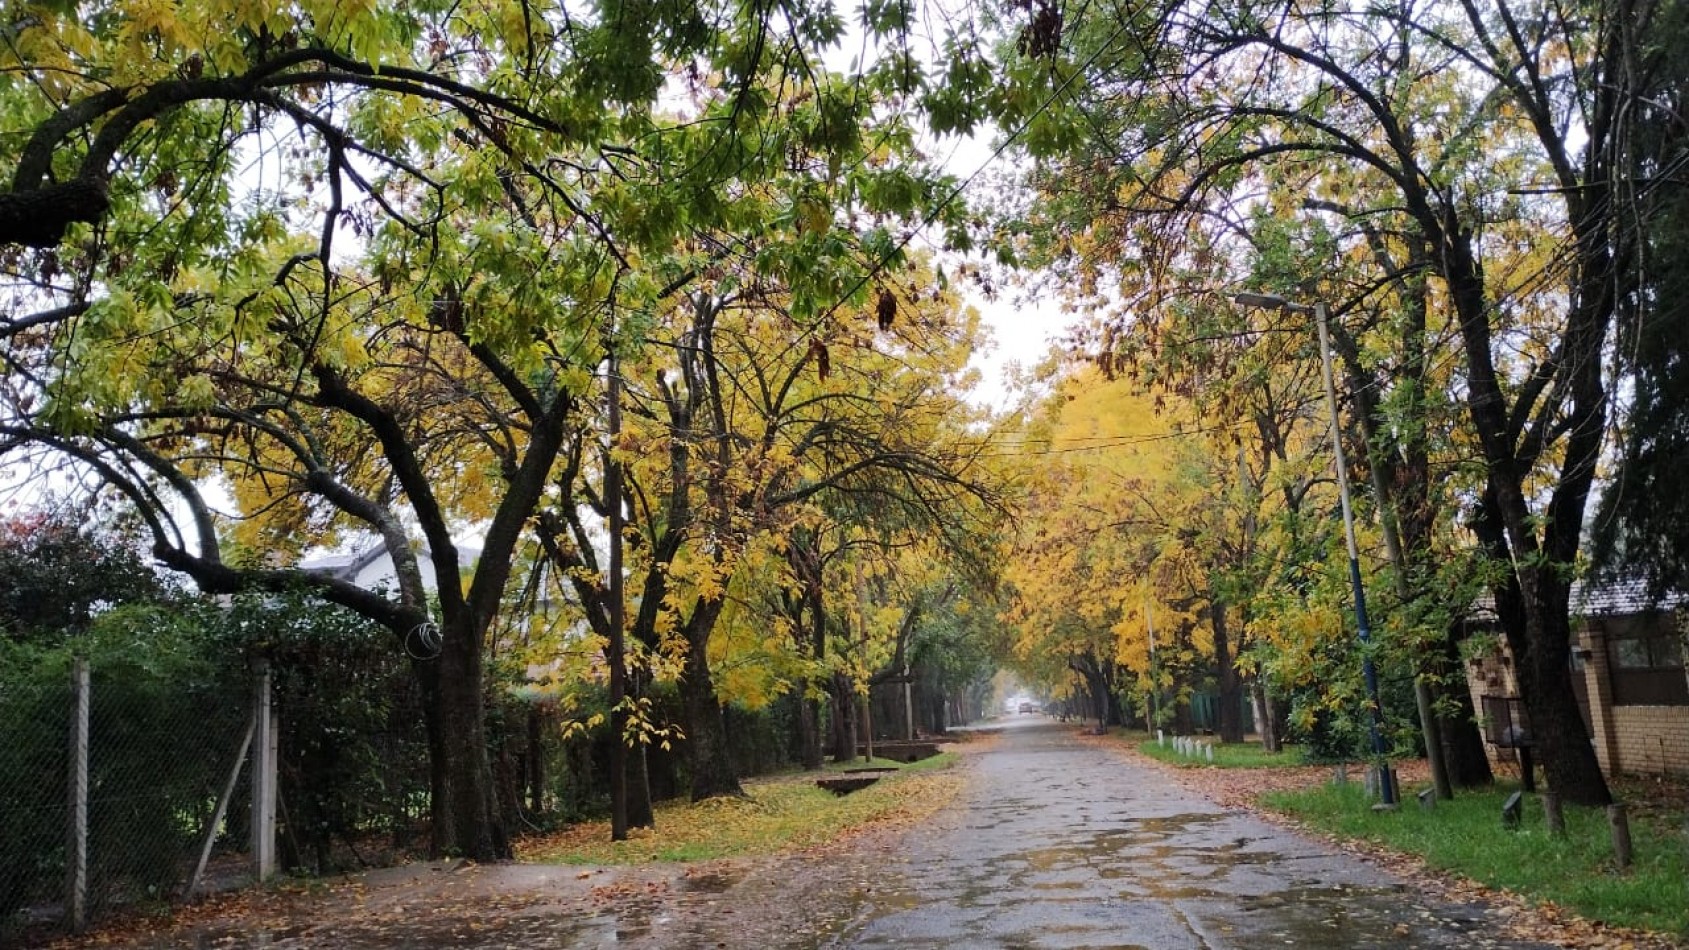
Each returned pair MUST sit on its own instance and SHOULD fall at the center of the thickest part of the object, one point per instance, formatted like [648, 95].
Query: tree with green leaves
[1642, 528]
[357, 265]
[59, 571]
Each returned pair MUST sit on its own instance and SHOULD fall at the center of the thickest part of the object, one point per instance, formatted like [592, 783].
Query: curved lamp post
[1386, 783]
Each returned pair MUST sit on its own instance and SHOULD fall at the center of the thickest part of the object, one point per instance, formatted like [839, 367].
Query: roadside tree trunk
[706, 731]
[472, 827]
[1231, 688]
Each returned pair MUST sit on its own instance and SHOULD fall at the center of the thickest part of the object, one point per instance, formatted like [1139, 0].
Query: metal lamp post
[1386, 783]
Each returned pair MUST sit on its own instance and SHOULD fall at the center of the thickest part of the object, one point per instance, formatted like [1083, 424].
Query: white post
[76, 862]
[263, 778]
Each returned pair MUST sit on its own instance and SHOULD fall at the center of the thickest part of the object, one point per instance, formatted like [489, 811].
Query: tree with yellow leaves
[743, 428]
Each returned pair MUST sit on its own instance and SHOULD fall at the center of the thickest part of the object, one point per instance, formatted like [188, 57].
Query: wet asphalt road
[1058, 844]
[1055, 842]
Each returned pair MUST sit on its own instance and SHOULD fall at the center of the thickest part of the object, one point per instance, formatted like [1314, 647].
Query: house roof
[1606, 597]
[349, 566]
[1613, 598]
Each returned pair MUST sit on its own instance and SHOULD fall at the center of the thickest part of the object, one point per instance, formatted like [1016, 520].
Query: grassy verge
[1246, 756]
[779, 814]
[1465, 836]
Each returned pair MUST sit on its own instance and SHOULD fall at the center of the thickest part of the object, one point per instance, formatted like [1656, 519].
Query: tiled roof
[1618, 597]
[1599, 598]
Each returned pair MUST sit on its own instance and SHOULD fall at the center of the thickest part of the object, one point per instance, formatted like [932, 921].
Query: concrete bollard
[1210, 753]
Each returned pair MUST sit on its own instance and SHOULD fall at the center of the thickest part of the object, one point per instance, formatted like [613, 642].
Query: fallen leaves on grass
[783, 814]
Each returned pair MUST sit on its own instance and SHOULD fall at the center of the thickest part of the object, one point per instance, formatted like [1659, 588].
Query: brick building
[1627, 668]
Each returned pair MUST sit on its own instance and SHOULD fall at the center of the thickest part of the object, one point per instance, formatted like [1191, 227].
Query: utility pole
[1369, 671]
[616, 652]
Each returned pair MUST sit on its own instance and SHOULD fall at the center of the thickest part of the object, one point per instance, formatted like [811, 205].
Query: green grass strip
[1466, 836]
[1248, 755]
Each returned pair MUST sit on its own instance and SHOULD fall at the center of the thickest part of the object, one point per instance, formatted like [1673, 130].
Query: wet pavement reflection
[1055, 843]
[1058, 843]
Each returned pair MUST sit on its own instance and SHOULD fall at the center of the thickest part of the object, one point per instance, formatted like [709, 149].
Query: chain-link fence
[126, 779]
[109, 780]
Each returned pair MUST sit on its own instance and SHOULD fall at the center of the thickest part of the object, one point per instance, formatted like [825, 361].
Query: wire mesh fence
[144, 778]
[354, 780]
[34, 751]
[121, 784]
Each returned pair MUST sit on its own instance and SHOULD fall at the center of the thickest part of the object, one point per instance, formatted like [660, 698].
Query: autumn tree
[1459, 122]
[358, 264]
[743, 423]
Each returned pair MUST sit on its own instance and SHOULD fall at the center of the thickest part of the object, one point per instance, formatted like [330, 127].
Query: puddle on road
[708, 882]
[1194, 875]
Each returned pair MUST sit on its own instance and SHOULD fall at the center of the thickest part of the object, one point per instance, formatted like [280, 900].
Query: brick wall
[1650, 740]
[1640, 740]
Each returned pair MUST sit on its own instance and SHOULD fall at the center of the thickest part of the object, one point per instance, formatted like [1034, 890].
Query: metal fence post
[263, 777]
[76, 860]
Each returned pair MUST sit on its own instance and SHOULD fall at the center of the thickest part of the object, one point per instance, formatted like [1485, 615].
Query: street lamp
[1386, 783]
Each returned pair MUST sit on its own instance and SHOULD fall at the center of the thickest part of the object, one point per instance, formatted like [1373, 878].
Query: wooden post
[222, 807]
[1552, 815]
[76, 860]
[908, 704]
[1620, 823]
[263, 777]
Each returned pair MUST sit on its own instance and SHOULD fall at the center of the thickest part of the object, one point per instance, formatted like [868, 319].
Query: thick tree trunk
[809, 733]
[844, 719]
[1231, 688]
[1266, 717]
[706, 732]
[1116, 714]
[473, 828]
[1463, 744]
[934, 712]
[640, 813]
[1542, 659]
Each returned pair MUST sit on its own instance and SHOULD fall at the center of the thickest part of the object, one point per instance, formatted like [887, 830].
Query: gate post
[76, 859]
[263, 776]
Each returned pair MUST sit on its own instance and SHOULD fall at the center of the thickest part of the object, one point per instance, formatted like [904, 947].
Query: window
[1645, 658]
